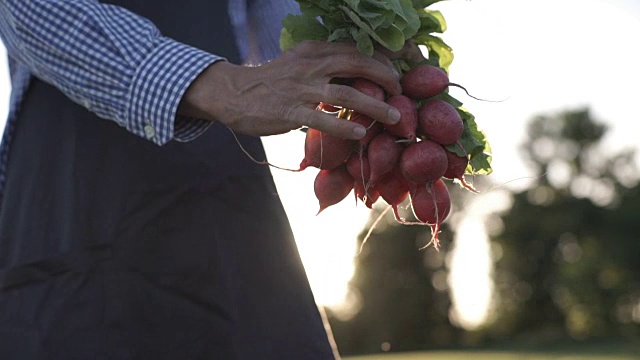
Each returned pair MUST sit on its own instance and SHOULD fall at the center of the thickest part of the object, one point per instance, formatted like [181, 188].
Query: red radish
[425, 81]
[325, 151]
[369, 88]
[423, 162]
[373, 128]
[393, 189]
[369, 196]
[384, 152]
[456, 166]
[408, 124]
[431, 204]
[327, 108]
[441, 122]
[428, 198]
[332, 186]
[358, 167]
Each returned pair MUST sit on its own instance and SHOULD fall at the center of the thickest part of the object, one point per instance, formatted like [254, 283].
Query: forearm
[115, 63]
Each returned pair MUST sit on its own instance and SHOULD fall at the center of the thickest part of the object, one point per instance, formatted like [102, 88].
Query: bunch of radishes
[436, 138]
[408, 159]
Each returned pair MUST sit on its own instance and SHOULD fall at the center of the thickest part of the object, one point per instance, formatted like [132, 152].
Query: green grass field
[588, 352]
[495, 355]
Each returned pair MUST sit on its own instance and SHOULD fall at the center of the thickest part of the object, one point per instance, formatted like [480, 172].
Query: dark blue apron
[114, 248]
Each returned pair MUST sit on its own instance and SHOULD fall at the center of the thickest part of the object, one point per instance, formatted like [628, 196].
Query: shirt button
[149, 131]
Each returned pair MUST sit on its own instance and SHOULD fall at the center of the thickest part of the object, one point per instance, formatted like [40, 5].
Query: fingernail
[394, 115]
[359, 132]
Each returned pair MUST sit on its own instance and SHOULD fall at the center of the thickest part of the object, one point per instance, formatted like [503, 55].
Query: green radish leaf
[339, 34]
[431, 21]
[475, 145]
[335, 20]
[383, 5]
[480, 164]
[410, 15]
[375, 16]
[439, 18]
[445, 96]
[391, 38]
[398, 13]
[438, 50]
[456, 149]
[424, 3]
[314, 8]
[444, 51]
[286, 40]
[401, 65]
[414, 63]
[363, 41]
[428, 24]
[301, 27]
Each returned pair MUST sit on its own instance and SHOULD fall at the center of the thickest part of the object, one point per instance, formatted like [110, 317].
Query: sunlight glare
[327, 241]
[541, 56]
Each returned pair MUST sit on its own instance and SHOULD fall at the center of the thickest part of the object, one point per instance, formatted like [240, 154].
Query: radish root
[375, 223]
[473, 97]
[263, 162]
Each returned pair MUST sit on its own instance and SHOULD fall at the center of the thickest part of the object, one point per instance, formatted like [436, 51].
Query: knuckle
[341, 94]
[355, 59]
[337, 127]
[285, 113]
[351, 61]
[315, 121]
[306, 46]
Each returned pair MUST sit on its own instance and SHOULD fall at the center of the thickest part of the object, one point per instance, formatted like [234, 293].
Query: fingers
[410, 51]
[350, 98]
[332, 125]
[381, 57]
[358, 65]
[343, 60]
[313, 64]
[315, 49]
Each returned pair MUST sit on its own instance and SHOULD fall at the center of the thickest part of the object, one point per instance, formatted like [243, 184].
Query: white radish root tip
[435, 232]
[462, 182]
[375, 223]
[263, 162]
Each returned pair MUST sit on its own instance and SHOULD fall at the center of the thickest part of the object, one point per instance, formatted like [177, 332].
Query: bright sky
[542, 55]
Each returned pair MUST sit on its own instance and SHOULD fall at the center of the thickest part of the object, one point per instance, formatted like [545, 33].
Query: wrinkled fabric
[112, 247]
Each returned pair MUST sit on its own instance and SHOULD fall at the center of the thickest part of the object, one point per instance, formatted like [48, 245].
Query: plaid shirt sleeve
[111, 61]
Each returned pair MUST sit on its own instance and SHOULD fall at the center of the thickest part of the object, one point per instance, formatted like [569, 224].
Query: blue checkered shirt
[117, 64]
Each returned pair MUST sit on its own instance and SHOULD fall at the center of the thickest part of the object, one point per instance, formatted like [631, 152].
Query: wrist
[208, 96]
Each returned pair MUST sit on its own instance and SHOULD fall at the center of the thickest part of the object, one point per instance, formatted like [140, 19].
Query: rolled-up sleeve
[111, 61]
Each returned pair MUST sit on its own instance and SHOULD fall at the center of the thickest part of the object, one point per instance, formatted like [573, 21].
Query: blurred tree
[567, 258]
[401, 291]
[570, 253]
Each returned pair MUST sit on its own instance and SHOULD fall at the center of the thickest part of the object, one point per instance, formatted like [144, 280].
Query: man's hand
[282, 95]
